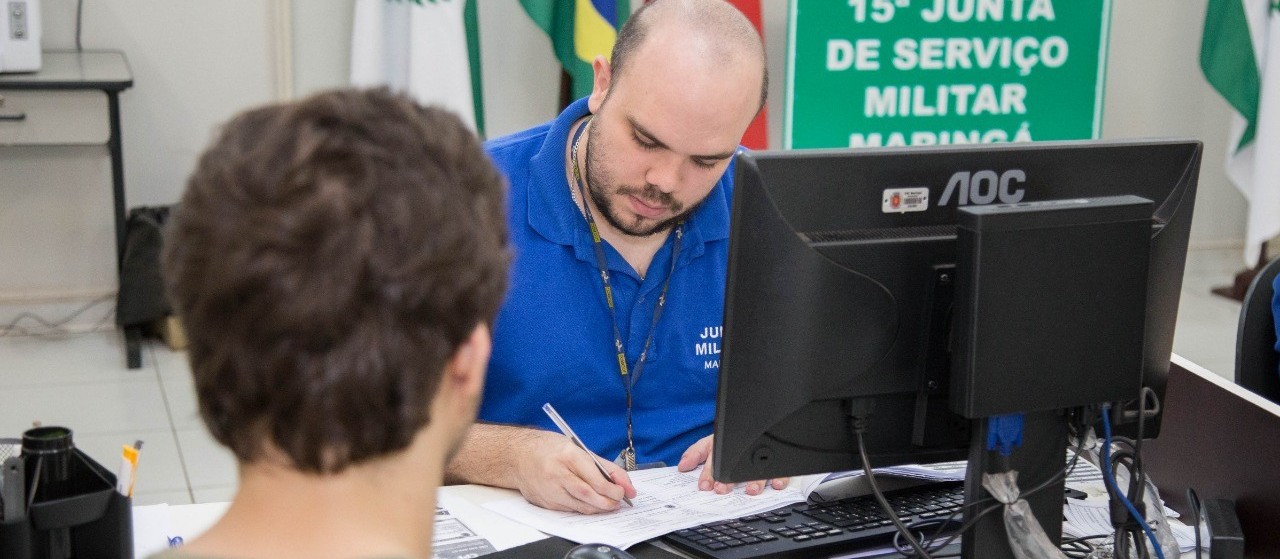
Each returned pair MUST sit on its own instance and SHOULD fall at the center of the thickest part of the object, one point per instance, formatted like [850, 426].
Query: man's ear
[466, 369]
[600, 83]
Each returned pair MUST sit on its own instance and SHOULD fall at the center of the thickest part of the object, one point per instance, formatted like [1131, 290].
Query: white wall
[196, 62]
[1155, 89]
[520, 76]
[321, 45]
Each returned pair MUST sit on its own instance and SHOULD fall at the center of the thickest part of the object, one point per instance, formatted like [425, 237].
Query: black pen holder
[71, 509]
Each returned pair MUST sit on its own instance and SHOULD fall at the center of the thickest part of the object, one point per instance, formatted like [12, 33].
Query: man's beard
[599, 187]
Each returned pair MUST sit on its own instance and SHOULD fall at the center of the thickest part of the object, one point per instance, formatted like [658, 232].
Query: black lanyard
[628, 379]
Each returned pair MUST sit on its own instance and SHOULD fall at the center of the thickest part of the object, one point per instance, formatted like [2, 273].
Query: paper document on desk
[152, 529]
[452, 539]
[1091, 517]
[464, 530]
[852, 483]
[942, 471]
[1086, 477]
[666, 500]
[159, 527]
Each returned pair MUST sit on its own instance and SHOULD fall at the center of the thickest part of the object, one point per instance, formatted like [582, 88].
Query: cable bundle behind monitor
[1080, 421]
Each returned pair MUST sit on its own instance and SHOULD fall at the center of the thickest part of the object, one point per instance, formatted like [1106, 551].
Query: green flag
[1240, 57]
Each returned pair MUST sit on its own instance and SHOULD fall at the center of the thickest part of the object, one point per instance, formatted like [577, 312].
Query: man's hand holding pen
[561, 473]
[556, 474]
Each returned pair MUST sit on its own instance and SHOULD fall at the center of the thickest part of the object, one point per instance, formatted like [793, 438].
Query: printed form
[667, 500]
[463, 530]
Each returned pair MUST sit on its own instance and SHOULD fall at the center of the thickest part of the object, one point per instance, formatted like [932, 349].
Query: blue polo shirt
[553, 341]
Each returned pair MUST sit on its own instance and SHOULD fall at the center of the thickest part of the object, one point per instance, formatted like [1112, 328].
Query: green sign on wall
[920, 72]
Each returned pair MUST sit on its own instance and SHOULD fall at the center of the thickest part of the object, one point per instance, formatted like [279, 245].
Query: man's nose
[665, 172]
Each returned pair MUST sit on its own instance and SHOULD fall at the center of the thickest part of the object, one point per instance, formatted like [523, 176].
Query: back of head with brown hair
[327, 259]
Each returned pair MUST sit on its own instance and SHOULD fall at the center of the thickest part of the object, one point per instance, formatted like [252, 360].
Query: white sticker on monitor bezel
[912, 199]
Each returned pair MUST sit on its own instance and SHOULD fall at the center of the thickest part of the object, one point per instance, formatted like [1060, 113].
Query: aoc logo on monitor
[984, 187]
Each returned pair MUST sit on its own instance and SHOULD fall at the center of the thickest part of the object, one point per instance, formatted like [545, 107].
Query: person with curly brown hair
[337, 263]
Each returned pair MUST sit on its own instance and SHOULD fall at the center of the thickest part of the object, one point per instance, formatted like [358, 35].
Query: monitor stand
[1041, 457]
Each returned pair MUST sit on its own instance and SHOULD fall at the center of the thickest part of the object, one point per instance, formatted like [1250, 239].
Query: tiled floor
[80, 381]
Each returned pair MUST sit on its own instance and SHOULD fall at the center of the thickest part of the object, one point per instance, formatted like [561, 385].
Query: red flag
[757, 135]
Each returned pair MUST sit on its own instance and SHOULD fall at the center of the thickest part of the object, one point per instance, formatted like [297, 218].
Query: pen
[128, 468]
[564, 428]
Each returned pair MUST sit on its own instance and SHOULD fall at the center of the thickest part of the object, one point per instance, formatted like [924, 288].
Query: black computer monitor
[840, 289]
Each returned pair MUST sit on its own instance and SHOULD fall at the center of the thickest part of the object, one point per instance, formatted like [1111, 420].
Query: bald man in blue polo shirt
[620, 330]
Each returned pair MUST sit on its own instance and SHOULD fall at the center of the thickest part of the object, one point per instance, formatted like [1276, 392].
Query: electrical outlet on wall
[20, 36]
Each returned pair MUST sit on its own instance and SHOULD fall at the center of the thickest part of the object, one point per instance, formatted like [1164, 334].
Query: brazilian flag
[579, 30]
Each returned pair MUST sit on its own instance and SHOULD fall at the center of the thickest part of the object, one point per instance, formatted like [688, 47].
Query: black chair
[1256, 357]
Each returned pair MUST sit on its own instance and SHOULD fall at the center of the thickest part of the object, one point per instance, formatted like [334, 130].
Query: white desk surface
[153, 525]
[192, 520]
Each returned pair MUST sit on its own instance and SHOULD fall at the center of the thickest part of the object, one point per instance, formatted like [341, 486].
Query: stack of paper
[667, 500]
[942, 471]
[1092, 517]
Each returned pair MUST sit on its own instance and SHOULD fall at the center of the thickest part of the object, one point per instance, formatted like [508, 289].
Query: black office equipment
[814, 529]
[71, 509]
[842, 286]
[556, 547]
[1226, 539]
[1032, 281]
[596, 551]
[1257, 363]
[1049, 310]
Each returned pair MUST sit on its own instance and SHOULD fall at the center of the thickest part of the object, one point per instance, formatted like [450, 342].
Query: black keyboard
[814, 529]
